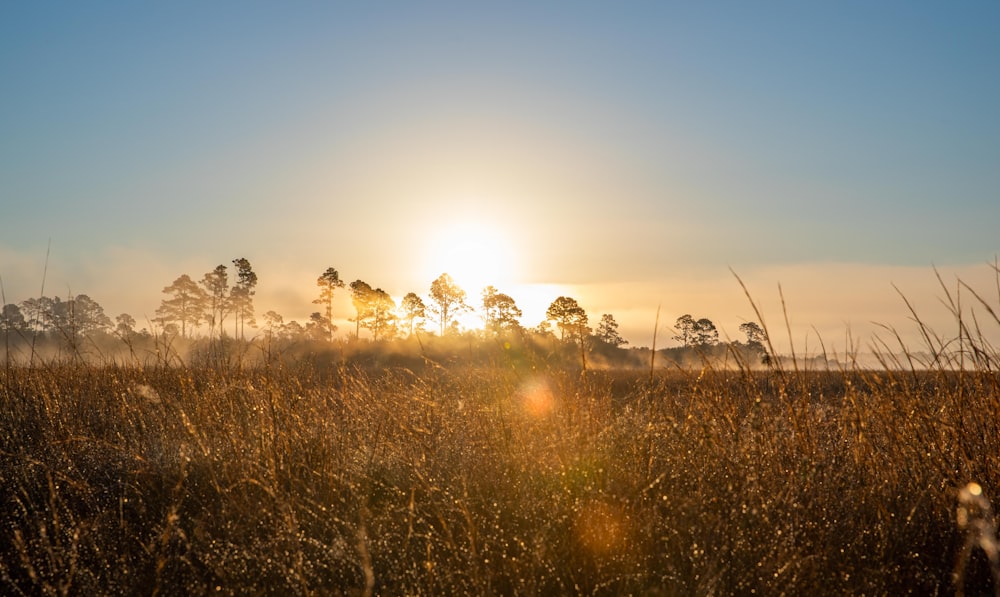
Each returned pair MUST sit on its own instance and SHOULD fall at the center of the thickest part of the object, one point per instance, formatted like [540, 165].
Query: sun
[474, 253]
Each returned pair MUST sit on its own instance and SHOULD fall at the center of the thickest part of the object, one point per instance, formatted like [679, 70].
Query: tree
[685, 329]
[572, 319]
[607, 331]
[381, 318]
[449, 301]
[77, 316]
[88, 315]
[328, 283]
[216, 285]
[12, 319]
[361, 298]
[569, 316]
[33, 310]
[704, 333]
[42, 313]
[413, 308]
[499, 311]
[544, 329]
[756, 337]
[71, 320]
[60, 318]
[186, 306]
[293, 330]
[272, 323]
[241, 296]
[755, 334]
[696, 333]
[124, 325]
[319, 327]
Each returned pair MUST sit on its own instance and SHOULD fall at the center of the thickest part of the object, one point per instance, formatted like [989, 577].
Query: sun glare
[474, 254]
[477, 253]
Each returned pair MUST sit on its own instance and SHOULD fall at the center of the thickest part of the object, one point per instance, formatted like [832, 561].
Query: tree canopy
[216, 285]
[569, 317]
[607, 331]
[413, 308]
[448, 301]
[241, 296]
[500, 312]
[329, 282]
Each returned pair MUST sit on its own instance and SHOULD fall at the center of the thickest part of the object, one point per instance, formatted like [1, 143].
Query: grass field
[496, 480]
[484, 467]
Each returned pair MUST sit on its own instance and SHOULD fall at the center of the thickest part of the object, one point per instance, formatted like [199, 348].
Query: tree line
[189, 305]
[224, 306]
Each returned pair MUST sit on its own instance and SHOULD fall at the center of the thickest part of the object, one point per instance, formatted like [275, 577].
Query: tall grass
[502, 479]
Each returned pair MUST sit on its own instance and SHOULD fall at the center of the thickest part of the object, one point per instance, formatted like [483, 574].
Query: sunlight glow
[534, 299]
[473, 253]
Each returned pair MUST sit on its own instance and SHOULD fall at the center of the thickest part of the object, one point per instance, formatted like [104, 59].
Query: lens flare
[601, 528]
[536, 398]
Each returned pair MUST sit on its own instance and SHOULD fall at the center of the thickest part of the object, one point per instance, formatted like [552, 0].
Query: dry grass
[500, 480]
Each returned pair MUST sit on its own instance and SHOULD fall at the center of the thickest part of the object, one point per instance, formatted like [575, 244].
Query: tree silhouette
[45, 313]
[12, 319]
[294, 330]
[33, 310]
[272, 323]
[89, 315]
[569, 316]
[216, 285]
[328, 283]
[241, 296]
[685, 329]
[76, 316]
[361, 298]
[124, 325]
[756, 337]
[571, 319]
[607, 331]
[413, 308]
[499, 311]
[544, 329]
[40, 313]
[186, 306]
[704, 333]
[70, 320]
[381, 318]
[755, 334]
[693, 332]
[319, 327]
[449, 301]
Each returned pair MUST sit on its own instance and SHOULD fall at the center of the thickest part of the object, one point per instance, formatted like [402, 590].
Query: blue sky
[629, 153]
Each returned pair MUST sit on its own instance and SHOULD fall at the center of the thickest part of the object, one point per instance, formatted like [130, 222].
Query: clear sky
[626, 154]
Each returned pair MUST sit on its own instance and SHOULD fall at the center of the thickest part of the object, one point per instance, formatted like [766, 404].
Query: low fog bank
[518, 351]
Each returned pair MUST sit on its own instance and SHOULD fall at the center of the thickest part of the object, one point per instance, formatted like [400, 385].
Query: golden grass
[501, 479]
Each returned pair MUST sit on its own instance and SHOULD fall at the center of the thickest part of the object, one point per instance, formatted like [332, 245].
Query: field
[496, 479]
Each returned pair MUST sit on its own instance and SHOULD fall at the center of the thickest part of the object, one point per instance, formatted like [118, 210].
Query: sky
[631, 155]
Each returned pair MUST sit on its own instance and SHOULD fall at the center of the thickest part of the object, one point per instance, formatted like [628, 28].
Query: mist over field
[824, 301]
